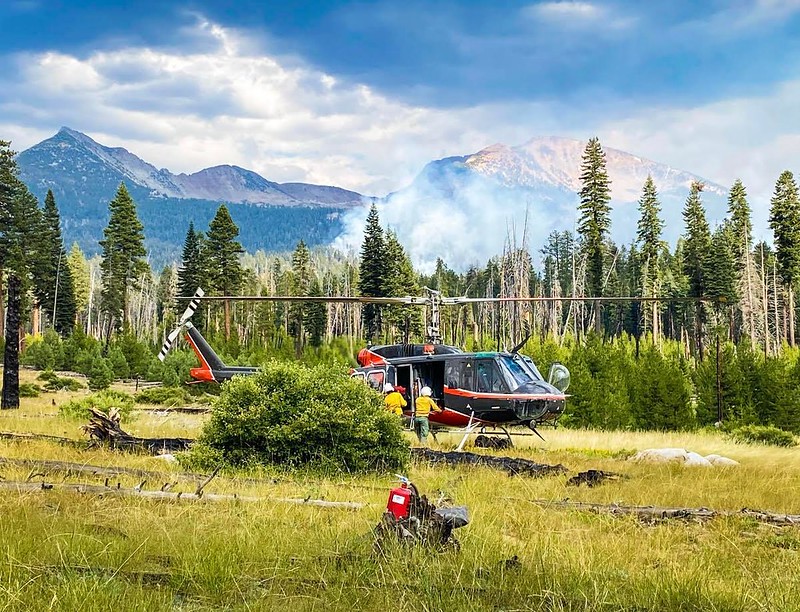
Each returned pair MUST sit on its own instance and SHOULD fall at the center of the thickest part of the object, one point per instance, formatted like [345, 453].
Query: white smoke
[468, 228]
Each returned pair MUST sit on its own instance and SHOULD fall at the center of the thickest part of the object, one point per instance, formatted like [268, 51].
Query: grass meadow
[67, 551]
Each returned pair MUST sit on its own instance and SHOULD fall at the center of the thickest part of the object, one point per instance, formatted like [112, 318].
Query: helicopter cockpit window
[375, 380]
[488, 378]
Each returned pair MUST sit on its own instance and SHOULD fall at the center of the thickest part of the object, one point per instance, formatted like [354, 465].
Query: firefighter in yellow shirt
[393, 401]
[423, 406]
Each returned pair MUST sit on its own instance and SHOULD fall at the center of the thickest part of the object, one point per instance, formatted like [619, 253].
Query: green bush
[293, 415]
[38, 354]
[163, 396]
[763, 434]
[103, 400]
[101, 374]
[53, 382]
[118, 363]
[29, 390]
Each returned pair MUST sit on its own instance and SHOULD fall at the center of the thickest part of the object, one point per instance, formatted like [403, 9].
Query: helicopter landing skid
[472, 425]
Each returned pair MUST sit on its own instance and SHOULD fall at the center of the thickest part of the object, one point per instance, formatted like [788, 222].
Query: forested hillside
[655, 337]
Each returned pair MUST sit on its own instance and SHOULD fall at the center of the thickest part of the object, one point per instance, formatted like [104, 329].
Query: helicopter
[475, 390]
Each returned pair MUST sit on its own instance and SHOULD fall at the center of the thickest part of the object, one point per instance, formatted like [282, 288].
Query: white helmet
[425, 391]
[388, 388]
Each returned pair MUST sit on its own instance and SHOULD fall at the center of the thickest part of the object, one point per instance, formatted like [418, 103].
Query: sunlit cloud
[227, 102]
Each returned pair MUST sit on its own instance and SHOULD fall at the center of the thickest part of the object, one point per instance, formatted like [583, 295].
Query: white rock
[720, 460]
[696, 459]
[681, 455]
[168, 457]
[661, 455]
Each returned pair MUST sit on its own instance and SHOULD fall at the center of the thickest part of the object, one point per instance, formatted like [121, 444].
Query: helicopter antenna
[434, 336]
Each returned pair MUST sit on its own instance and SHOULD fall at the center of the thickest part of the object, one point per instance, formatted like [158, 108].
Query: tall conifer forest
[676, 336]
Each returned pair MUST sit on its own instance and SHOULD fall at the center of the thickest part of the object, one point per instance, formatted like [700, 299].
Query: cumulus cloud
[227, 102]
[751, 138]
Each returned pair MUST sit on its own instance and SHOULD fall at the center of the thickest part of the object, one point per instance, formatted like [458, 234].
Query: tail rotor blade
[173, 335]
[193, 304]
[187, 314]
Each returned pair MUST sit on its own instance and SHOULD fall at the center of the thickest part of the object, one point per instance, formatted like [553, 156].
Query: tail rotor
[187, 314]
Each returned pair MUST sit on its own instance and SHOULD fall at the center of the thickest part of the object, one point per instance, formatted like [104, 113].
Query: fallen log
[512, 465]
[170, 409]
[12, 435]
[103, 491]
[656, 513]
[106, 428]
[95, 470]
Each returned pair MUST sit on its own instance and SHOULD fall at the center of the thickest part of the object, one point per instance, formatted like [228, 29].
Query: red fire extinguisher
[399, 499]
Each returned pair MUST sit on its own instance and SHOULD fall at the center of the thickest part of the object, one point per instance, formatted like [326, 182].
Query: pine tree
[53, 285]
[740, 229]
[221, 253]
[695, 255]
[191, 273]
[720, 281]
[401, 280]
[784, 220]
[316, 315]
[372, 273]
[651, 246]
[595, 213]
[301, 280]
[123, 265]
[740, 224]
[19, 222]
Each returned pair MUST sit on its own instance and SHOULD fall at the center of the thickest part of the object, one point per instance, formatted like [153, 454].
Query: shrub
[53, 382]
[763, 434]
[38, 354]
[29, 390]
[101, 375]
[293, 415]
[118, 363]
[136, 354]
[104, 400]
[163, 396]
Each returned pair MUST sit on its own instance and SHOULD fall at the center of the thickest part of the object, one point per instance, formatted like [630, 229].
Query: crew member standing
[423, 406]
[393, 401]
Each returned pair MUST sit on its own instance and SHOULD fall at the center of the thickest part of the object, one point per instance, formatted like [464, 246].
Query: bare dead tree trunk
[775, 304]
[10, 397]
[35, 319]
[227, 320]
[2, 306]
[765, 304]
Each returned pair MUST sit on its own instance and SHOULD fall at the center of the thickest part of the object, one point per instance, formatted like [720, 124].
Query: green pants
[422, 426]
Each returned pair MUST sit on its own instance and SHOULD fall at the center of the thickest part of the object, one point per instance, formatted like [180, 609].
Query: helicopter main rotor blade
[457, 301]
[407, 300]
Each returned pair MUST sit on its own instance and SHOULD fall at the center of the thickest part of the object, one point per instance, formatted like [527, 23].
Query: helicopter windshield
[516, 374]
[527, 363]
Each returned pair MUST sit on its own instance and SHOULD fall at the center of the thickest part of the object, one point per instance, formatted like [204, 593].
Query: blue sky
[362, 94]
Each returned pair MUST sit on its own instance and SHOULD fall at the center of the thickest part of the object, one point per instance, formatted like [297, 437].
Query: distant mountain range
[458, 208]
[84, 175]
[488, 193]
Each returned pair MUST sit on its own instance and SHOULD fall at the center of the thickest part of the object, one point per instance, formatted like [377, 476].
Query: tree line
[743, 292]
